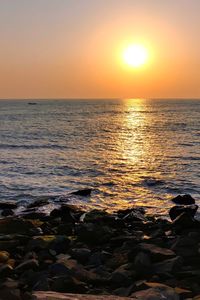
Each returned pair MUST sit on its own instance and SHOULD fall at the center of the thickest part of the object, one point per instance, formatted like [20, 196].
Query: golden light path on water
[138, 146]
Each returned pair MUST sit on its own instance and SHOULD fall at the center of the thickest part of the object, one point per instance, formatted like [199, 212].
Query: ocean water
[131, 152]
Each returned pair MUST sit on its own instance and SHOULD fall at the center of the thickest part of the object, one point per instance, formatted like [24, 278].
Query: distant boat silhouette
[32, 103]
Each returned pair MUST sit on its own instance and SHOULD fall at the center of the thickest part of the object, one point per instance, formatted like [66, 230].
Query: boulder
[183, 200]
[82, 192]
[156, 253]
[171, 266]
[190, 210]
[81, 254]
[4, 256]
[93, 233]
[159, 292]
[184, 221]
[64, 212]
[8, 205]
[7, 212]
[17, 225]
[31, 264]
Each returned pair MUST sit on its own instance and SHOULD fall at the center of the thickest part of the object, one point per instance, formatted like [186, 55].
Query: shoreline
[125, 254]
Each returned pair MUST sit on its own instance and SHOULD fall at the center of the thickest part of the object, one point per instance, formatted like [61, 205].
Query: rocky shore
[123, 254]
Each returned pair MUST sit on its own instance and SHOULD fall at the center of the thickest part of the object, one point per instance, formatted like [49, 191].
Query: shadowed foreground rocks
[71, 254]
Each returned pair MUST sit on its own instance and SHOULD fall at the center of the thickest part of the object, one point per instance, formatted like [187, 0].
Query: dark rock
[8, 205]
[5, 270]
[57, 243]
[161, 292]
[64, 228]
[7, 212]
[4, 256]
[58, 269]
[10, 294]
[142, 263]
[171, 266]
[124, 291]
[156, 253]
[184, 221]
[83, 192]
[183, 200]
[27, 265]
[39, 202]
[81, 254]
[17, 225]
[64, 212]
[175, 211]
[68, 284]
[93, 233]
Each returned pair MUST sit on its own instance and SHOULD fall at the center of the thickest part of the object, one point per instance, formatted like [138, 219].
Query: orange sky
[65, 49]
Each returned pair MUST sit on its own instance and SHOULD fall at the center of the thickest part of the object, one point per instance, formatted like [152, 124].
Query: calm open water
[131, 152]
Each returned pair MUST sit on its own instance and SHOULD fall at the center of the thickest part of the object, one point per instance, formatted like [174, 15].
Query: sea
[130, 152]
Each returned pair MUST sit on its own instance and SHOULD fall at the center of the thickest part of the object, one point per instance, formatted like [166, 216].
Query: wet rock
[183, 200]
[171, 266]
[7, 212]
[17, 225]
[64, 228]
[156, 253]
[57, 243]
[134, 215]
[176, 211]
[39, 202]
[184, 221]
[4, 256]
[8, 205]
[64, 212]
[31, 264]
[81, 254]
[83, 192]
[185, 246]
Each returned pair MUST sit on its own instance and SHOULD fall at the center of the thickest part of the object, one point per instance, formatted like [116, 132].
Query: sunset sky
[74, 48]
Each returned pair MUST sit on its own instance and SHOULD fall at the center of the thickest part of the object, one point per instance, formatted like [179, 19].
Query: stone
[161, 292]
[68, 284]
[58, 269]
[184, 200]
[64, 212]
[142, 263]
[64, 296]
[13, 225]
[184, 221]
[190, 210]
[10, 294]
[171, 266]
[39, 202]
[81, 254]
[82, 192]
[58, 243]
[93, 233]
[31, 264]
[5, 270]
[156, 253]
[7, 212]
[8, 205]
[4, 256]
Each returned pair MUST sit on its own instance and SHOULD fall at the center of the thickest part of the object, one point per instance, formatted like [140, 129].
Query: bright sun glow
[135, 55]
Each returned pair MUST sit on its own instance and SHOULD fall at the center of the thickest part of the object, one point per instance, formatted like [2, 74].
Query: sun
[135, 55]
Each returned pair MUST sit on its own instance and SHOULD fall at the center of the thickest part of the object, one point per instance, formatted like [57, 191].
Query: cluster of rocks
[126, 253]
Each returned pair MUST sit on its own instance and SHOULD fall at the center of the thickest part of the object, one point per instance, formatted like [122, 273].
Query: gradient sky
[73, 48]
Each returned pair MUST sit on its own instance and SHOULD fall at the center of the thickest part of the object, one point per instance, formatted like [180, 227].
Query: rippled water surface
[131, 152]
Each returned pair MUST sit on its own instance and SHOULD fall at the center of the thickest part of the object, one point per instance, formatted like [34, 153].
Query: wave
[14, 146]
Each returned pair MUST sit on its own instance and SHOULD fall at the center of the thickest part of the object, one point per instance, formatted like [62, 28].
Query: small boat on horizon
[32, 103]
